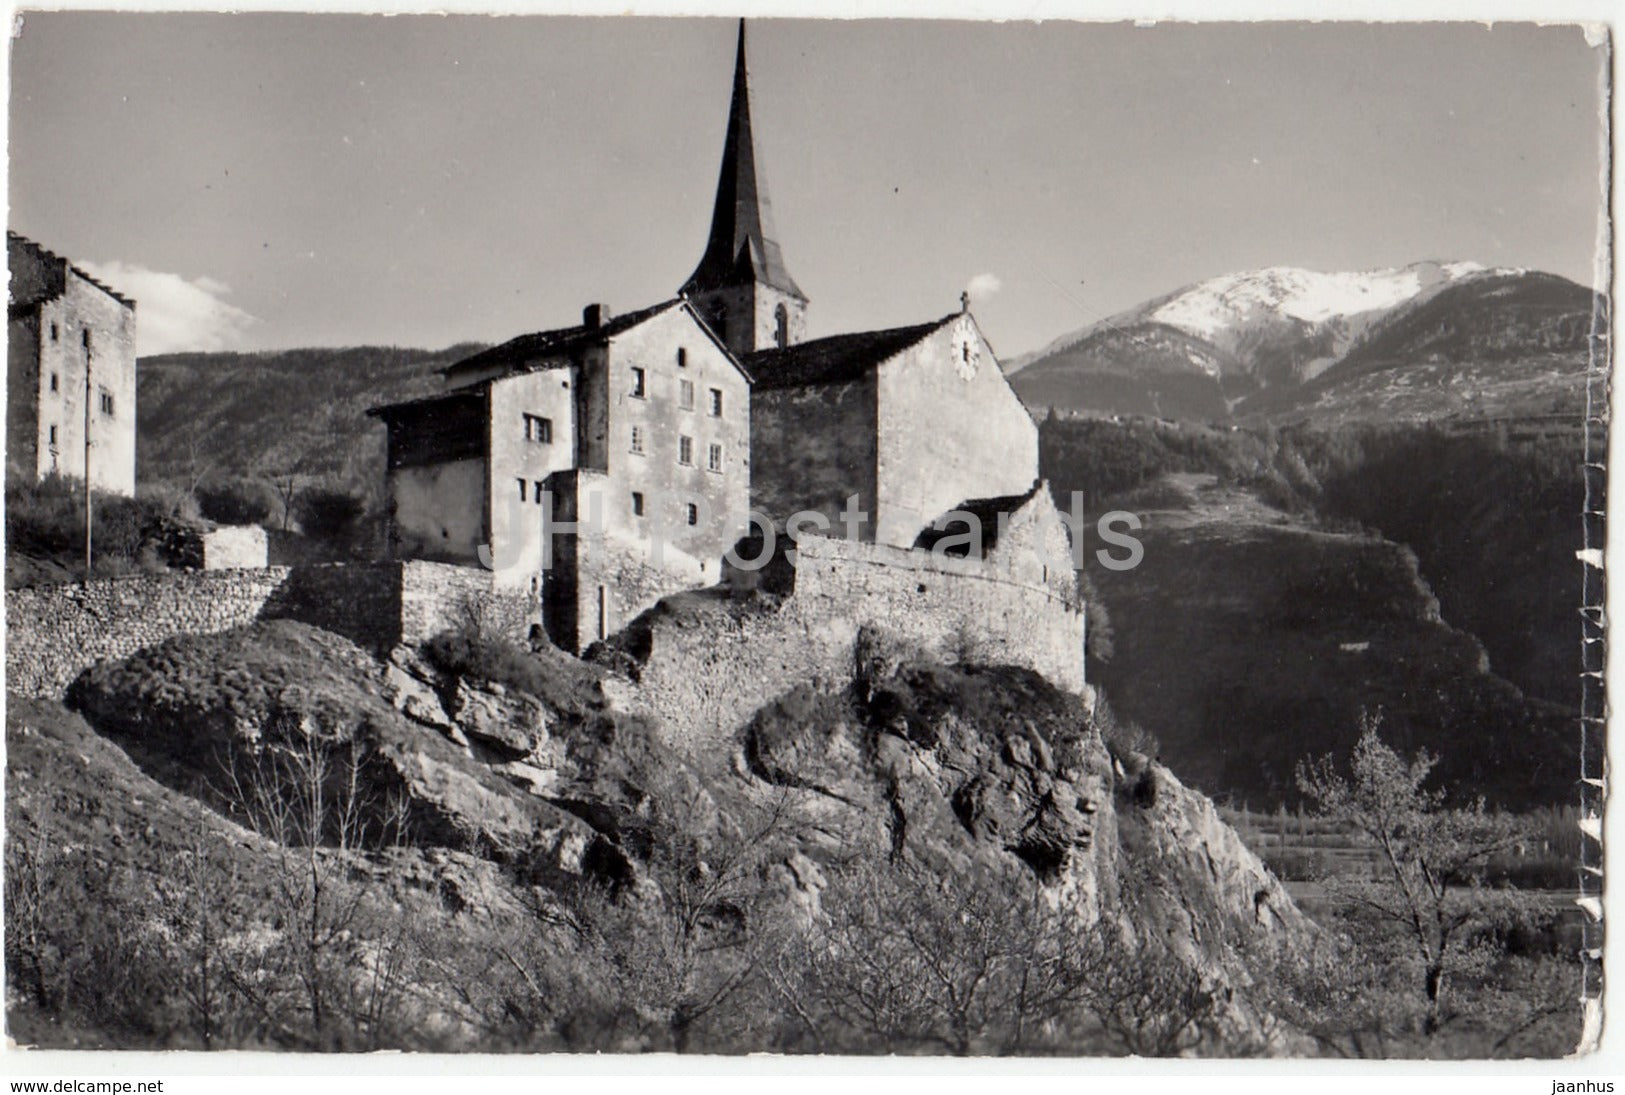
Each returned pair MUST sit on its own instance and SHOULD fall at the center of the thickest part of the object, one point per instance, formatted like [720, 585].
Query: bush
[171, 499]
[328, 513]
[239, 501]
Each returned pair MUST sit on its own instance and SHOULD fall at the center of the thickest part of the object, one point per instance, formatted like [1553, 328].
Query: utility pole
[85, 338]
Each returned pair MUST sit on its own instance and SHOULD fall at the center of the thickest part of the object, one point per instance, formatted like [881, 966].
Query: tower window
[537, 485]
[781, 326]
[716, 402]
[538, 429]
[637, 503]
[637, 439]
[53, 332]
[693, 514]
[682, 357]
[713, 459]
[106, 402]
[685, 450]
[522, 484]
[53, 437]
[84, 337]
[56, 382]
[640, 384]
[685, 394]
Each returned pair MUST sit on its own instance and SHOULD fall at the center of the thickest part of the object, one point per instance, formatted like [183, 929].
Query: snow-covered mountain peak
[1224, 303]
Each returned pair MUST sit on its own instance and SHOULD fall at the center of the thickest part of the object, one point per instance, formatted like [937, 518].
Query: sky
[268, 181]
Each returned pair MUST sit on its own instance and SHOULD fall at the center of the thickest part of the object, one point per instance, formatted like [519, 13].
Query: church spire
[742, 251]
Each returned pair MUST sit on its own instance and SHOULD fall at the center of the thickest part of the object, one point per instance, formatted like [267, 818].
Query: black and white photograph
[729, 534]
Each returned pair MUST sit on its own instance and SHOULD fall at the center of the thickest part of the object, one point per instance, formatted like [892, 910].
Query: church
[604, 466]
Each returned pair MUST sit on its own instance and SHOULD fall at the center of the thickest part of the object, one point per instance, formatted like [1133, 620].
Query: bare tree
[305, 793]
[1430, 906]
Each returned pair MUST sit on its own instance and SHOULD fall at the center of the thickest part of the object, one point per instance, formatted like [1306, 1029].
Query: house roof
[742, 248]
[522, 353]
[46, 255]
[834, 359]
[985, 510]
[473, 393]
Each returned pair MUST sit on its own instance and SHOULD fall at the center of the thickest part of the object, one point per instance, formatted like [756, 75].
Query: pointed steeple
[742, 249]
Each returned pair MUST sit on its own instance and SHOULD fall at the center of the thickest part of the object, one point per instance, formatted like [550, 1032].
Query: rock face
[510, 796]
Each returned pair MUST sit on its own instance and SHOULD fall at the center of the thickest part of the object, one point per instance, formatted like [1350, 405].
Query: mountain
[1286, 344]
[237, 413]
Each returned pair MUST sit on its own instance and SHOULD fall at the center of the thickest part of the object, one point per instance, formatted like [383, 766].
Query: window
[781, 327]
[537, 487]
[107, 402]
[713, 459]
[539, 430]
[637, 439]
[716, 402]
[685, 394]
[84, 337]
[53, 437]
[685, 450]
[521, 490]
[53, 332]
[55, 382]
[693, 514]
[637, 503]
[682, 357]
[640, 387]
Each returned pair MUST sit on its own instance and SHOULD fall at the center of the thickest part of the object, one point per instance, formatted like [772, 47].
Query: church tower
[741, 286]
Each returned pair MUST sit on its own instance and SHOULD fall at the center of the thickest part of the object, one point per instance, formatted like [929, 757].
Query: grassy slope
[241, 413]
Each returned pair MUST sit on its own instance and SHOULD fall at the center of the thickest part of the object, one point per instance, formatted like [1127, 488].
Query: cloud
[983, 286]
[174, 314]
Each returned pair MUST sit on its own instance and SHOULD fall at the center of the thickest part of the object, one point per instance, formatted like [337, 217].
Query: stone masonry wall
[707, 662]
[53, 633]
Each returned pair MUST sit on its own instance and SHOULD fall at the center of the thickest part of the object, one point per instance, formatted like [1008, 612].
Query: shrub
[238, 501]
[328, 513]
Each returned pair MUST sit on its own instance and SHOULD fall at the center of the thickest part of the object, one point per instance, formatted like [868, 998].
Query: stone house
[70, 354]
[596, 467]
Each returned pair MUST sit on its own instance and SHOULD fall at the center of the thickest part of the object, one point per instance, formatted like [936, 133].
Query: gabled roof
[834, 359]
[525, 351]
[743, 248]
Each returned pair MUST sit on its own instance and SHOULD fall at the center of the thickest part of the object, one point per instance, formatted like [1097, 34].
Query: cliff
[501, 820]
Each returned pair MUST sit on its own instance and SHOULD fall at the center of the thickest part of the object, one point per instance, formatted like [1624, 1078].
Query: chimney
[595, 315]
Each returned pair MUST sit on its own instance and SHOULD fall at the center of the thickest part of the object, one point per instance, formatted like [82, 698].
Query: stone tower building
[70, 367]
[741, 285]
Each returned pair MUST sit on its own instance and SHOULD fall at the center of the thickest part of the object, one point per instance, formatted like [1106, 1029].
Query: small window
[53, 332]
[637, 439]
[107, 402]
[685, 394]
[637, 503]
[682, 357]
[716, 402]
[537, 487]
[84, 337]
[53, 437]
[521, 490]
[685, 450]
[781, 327]
[693, 514]
[56, 382]
[640, 387]
[713, 459]
[538, 429]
